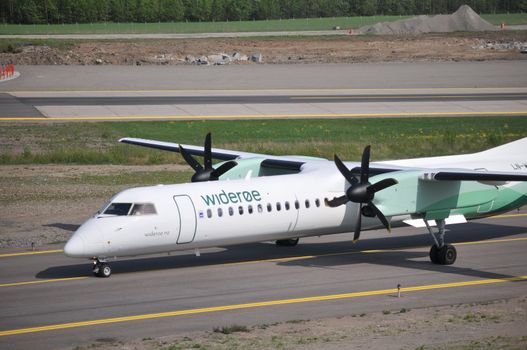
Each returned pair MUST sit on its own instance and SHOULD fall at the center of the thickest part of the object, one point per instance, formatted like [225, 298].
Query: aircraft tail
[516, 148]
[507, 157]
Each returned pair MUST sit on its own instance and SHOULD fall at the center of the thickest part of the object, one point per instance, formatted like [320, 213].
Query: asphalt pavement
[49, 300]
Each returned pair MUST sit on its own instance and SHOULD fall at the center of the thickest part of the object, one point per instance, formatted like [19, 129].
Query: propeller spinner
[206, 172]
[361, 191]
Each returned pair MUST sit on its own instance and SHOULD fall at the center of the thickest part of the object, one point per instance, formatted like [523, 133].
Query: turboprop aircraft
[249, 197]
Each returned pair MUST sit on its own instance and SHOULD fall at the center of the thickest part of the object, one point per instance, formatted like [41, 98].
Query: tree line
[139, 11]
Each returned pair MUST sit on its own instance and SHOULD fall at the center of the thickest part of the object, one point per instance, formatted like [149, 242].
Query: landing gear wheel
[102, 270]
[447, 255]
[434, 254]
[287, 242]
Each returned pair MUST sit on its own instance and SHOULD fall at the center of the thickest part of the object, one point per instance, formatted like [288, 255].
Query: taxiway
[51, 301]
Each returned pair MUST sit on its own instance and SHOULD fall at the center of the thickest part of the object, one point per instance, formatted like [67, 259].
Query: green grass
[508, 18]
[391, 138]
[235, 26]
[197, 27]
[16, 45]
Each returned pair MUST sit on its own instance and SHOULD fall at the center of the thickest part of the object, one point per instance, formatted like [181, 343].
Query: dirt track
[336, 49]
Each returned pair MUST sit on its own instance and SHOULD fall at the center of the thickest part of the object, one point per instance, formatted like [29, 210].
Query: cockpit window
[143, 209]
[118, 209]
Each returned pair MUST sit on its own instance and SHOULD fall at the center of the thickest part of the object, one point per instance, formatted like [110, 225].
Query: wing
[285, 163]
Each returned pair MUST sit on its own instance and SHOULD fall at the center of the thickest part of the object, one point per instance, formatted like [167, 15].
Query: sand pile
[464, 19]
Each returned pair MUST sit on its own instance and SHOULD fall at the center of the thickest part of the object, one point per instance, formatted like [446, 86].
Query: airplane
[250, 197]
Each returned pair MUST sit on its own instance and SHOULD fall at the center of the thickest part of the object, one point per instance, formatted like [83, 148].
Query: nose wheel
[101, 269]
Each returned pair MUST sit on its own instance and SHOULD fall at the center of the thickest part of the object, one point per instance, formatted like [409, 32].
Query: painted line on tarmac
[286, 259]
[504, 216]
[31, 253]
[42, 281]
[228, 91]
[396, 97]
[271, 116]
[259, 305]
[369, 251]
[506, 240]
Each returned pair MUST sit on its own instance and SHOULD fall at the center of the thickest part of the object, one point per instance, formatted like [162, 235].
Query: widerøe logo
[231, 197]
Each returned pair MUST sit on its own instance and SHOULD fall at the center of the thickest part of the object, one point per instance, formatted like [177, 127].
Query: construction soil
[460, 46]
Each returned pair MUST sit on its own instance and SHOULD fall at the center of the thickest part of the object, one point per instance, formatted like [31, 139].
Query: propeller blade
[223, 169]
[358, 223]
[190, 160]
[344, 170]
[207, 155]
[365, 165]
[336, 202]
[381, 185]
[381, 216]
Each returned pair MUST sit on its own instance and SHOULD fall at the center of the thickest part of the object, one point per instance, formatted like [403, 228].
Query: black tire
[447, 255]
[287, 242]
[104, 271]
[434, 254]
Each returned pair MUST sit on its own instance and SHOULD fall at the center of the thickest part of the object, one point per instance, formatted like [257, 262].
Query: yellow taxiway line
[384, 97]
[503, 216]
[42, 281]
[31, 253]
[259, 305]
[270, 116]
[230, 91]
[284, 259]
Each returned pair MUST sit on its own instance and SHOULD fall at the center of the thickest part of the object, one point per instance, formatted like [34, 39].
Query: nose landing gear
[101, 268]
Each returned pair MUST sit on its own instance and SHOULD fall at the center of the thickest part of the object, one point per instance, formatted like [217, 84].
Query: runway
[51, 301]
[265, 91]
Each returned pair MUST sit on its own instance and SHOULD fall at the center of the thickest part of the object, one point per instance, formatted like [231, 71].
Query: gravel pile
[464, 19]
[495, 45]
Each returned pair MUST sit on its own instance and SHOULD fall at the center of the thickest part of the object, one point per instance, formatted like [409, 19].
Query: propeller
[206, 172]
[362, 191]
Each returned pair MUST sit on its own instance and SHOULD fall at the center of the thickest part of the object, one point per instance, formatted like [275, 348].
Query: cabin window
[269, 207]
[286, 205]
[119, 209]
[240, 210]
[250, 209]
[278, 206]
[307, 203]
[297, 205]
[231, 211]
[209, 213]
[143, 209]
[260, 208]
[317, 202]
[220, 212]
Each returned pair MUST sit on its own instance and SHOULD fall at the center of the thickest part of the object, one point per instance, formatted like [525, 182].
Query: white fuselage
[255, 209]
[216, 213]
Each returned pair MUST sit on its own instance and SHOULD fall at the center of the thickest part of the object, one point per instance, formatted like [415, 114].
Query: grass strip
[391, 138]
[299, 24]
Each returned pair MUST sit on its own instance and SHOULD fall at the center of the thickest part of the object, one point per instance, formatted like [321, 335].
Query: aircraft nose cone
[74, 247]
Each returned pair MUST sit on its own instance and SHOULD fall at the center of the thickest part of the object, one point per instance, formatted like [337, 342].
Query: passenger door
[187, 219]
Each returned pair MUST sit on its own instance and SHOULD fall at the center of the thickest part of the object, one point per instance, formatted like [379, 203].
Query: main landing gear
[101, 268]
[441, 253]
[287, 242]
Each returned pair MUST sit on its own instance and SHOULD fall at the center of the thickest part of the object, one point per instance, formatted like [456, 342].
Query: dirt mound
[464, 19]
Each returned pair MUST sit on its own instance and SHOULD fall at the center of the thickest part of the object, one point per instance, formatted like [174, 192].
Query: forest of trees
[91, 11]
